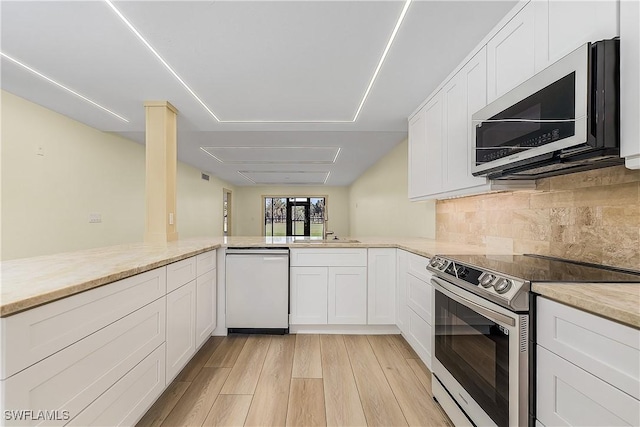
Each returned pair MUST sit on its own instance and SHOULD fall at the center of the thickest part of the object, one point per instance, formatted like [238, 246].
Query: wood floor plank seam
[384, 371]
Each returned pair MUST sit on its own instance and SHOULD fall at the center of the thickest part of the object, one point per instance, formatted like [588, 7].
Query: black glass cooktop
[537, 268]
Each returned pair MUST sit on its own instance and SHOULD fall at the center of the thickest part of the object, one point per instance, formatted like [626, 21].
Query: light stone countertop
[30, 282]
[620, 303]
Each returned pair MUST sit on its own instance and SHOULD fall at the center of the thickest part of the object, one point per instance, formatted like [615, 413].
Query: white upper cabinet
[563, 26]
[433, 140]
[629, 72]
[425, 150]
[470, 96]
[418, 174]
[511, 53]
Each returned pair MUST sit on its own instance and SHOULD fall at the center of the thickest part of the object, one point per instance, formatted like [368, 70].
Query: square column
[161, 170]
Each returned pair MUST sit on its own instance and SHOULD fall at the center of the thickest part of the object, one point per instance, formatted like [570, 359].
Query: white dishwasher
[257, 285]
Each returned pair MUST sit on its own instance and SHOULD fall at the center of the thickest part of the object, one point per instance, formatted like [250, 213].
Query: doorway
[226, 212]
[294, 216]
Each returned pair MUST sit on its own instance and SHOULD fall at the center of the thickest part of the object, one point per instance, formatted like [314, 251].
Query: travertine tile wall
[589, 216]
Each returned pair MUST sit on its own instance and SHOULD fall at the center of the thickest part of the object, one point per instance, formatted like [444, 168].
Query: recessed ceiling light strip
[327, 178]
[247, 178]
[157, 55]
[60, 85]
[384, 56]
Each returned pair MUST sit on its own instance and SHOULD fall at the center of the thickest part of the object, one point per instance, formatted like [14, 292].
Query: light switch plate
[95, 218]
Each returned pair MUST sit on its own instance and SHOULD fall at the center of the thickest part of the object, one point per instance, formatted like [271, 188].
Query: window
[294, 216]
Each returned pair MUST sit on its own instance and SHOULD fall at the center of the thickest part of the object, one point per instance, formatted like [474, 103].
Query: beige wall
[247, 220]
[589, 216]
[47, 199]
[379, 205]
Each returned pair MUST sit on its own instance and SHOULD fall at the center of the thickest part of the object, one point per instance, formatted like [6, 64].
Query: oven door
[479, 358]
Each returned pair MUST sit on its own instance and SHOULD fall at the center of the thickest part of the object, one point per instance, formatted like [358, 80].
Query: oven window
[475, 351]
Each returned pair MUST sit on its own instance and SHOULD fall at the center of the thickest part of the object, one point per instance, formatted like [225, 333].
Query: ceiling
[268, 74]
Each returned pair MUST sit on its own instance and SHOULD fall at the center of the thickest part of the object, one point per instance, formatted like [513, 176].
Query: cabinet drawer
[75, 376]
[606, 349]
[329, 257]
[205, 262]
[570, 396]
[420, 297]
[419, 336]
[127, 401]
[180, 273]
[418, 267]
[40, 332]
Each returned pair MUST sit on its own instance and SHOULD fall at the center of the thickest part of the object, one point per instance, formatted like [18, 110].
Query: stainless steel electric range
[483, 331]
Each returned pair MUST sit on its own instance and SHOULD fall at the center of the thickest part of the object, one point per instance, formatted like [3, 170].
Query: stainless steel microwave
[563, 119]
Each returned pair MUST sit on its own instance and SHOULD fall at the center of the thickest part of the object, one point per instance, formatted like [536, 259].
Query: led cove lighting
[197, 98]
[157, 55]
[60, 85]
[384, 56]
[278, 162]
[243, 174]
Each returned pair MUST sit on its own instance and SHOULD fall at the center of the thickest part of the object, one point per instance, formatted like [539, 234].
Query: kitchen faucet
[326, 233]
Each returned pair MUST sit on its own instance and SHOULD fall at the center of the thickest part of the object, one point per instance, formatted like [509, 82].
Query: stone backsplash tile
[590, 216]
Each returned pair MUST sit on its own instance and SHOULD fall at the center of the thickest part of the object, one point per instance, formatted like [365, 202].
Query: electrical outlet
[40, 151]
[95, 218]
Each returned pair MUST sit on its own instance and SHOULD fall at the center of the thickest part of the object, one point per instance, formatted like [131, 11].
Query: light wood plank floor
[300, 380]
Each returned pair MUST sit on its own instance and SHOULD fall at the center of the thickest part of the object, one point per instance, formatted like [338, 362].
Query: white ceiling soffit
[274, 155]
[285, 177]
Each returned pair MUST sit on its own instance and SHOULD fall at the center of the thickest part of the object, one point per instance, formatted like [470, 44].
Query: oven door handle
[446, 289]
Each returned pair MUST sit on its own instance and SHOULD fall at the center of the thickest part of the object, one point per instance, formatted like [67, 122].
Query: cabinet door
[381, 284]
[570, 396]
[563, 26]
[454, 135]
[433, 122]
[181, 328]
[205, 306]
[347, 296]
[511, 54]
[417, 156]
[474, 75]
[629, 72]
[402, 268]
[309, 295]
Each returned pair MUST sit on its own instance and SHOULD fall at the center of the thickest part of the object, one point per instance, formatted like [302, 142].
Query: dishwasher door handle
[275, 258]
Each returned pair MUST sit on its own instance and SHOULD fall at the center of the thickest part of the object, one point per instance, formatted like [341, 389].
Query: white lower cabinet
[416, 307]
[570, 396]
[347, 296]
[402, 310]
[309, 295]
[74, 377]
[381, 292]
[588, 368]
[102, 357]
[181, 328]
[328, 286]
[128, 399]
[419, 336]
[206, 306]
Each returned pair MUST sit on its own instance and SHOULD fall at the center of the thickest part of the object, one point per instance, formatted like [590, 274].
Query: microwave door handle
[446, 289]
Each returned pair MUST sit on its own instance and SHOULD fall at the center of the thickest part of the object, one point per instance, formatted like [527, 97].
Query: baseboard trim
[345, 329]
